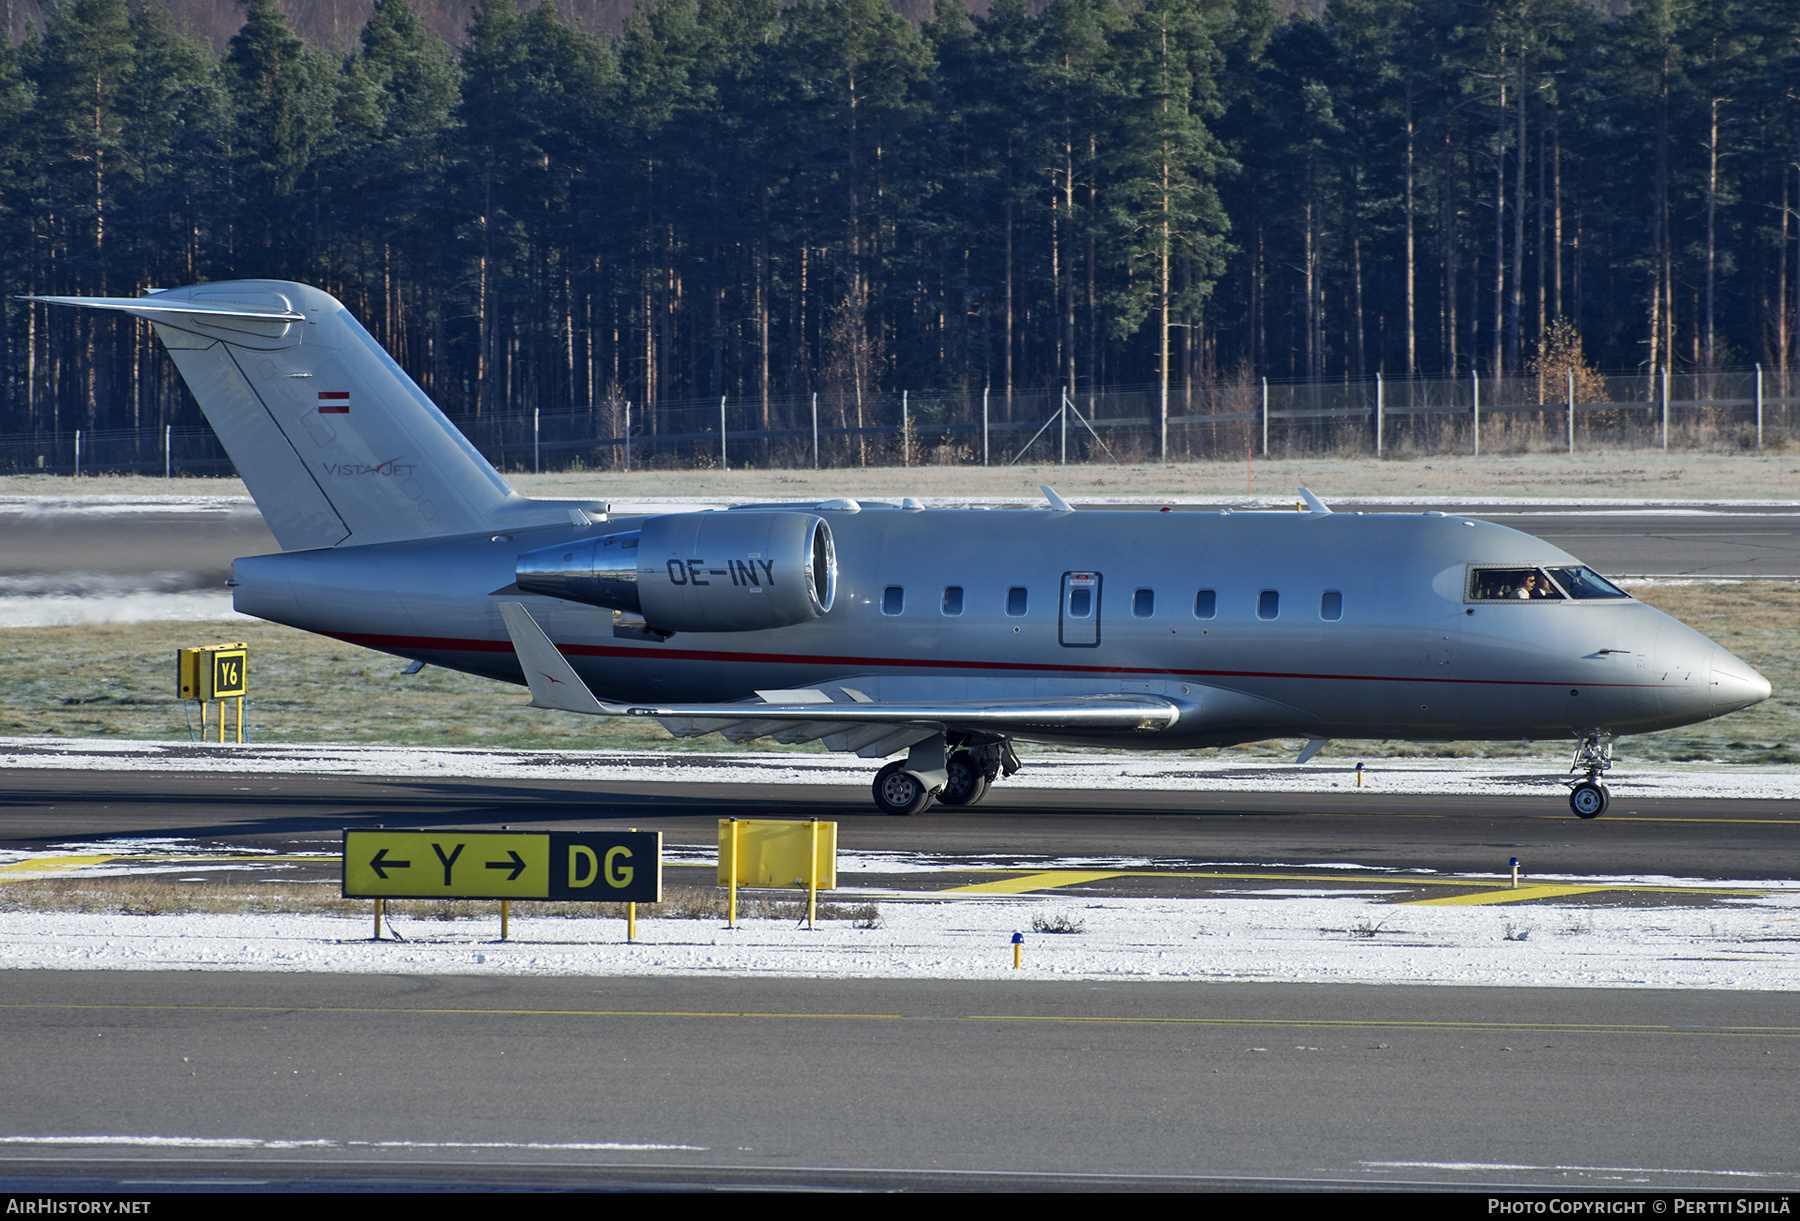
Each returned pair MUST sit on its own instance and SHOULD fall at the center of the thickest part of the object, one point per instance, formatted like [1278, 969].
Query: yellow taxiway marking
[1628, 1028]
[51, 864]
[1050, 879]
[1036, 881]
[1520, 895]
[1550, 817]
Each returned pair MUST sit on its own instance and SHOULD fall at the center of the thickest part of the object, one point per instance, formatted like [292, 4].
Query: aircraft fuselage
[1320, 625]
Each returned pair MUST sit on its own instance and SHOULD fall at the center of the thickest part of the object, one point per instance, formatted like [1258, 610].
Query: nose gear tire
[1589, 800]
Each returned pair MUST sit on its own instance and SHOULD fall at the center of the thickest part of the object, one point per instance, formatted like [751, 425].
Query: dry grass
[159, 895]
[118, 680]
[1759, 623]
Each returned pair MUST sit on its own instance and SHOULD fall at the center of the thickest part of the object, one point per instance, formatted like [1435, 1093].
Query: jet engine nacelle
[697, 572]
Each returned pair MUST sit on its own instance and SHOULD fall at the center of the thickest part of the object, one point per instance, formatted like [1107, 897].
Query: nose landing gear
[1588, 798]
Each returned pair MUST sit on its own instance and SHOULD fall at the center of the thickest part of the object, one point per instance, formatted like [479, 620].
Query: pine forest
[745, 200]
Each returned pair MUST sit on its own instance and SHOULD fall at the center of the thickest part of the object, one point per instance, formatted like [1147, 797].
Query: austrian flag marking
[334, 402]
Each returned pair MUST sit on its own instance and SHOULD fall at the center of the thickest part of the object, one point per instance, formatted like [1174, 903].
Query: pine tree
[284, 97]
[1163, 206]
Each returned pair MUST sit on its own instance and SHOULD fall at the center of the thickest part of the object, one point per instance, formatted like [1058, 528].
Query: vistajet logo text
[393, 468]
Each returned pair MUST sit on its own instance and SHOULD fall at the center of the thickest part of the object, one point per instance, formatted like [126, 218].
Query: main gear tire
[966, 784]
[900, 792]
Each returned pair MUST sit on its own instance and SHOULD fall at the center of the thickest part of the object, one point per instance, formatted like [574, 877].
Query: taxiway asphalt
[1688, 837]
[268, 1081]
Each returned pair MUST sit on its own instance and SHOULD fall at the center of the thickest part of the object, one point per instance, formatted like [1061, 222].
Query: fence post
[78, 453]
[1475, 380]
[1665, 409]
[984, 426]
[815, 411]
[168, 441]
[1571, 411]
[905, 431]
[628, 436]
[1265, 382]
[1759, 406]
[536, 465]
[1163, 441]
[1380, 413]
[724, 462]
[1062, 420]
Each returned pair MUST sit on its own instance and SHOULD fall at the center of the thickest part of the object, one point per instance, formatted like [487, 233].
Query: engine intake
[697, 572]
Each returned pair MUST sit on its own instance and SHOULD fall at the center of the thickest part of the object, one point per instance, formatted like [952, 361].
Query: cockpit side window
[1584, 583]
[1512, 585]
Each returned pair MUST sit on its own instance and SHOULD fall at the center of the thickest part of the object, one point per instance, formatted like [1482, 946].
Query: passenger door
[1078, 614]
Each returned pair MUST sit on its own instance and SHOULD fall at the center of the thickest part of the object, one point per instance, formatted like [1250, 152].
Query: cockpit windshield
[1540, 585]
[1586, 583]
[1512, 584]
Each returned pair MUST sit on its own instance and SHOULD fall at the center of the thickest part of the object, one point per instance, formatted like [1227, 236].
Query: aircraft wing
[846, 719]
[875, 729]
[553, 681]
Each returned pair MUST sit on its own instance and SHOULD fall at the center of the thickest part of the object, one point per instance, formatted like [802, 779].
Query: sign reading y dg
[597, 866]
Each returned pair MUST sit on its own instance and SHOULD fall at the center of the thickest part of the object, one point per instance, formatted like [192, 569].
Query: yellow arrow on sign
[434, 864]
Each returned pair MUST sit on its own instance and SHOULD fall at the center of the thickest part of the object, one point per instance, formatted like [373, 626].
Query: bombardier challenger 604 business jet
[945, 634]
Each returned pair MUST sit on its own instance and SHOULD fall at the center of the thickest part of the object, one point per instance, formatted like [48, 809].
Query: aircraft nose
[1735, 684]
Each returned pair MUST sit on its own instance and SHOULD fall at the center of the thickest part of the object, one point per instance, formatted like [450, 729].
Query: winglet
[1056, 502]
[554, 683]
[1313, 503]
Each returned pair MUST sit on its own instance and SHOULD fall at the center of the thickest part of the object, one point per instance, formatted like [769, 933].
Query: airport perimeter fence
[1742, 409]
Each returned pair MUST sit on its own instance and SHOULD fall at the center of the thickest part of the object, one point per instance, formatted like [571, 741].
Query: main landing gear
[1587, 796]
[898, 791]
[971, 767]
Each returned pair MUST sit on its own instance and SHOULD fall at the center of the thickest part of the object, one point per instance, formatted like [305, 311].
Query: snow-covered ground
[1298, 934]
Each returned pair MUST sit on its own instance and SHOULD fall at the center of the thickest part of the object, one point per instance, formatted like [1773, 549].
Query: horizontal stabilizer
[198, 311]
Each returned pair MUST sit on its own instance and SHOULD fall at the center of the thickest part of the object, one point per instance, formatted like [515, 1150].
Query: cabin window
[1268, 604]
[1143, 604]
[1331, 605]
[893, 600]
[1206, 604]
[1081, 601]
[1015, 601]
[953, 599]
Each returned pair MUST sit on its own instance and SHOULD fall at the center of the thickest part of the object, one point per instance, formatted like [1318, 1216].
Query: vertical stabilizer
[335, 442]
